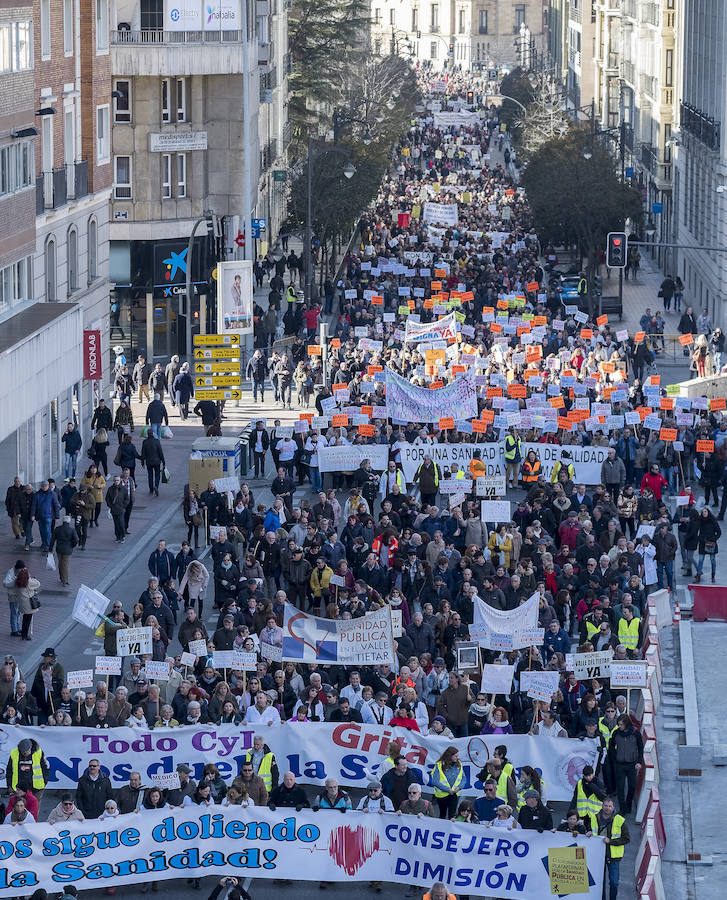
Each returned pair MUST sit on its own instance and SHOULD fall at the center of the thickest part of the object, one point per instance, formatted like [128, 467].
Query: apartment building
[56, 177]
[177, 135]
[466, 34]
[700, 177]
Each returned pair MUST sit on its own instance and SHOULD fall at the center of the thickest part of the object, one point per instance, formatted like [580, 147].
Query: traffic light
[597, 289]
[419, 34]
[616, 250]
[451, 49]
[470, 98]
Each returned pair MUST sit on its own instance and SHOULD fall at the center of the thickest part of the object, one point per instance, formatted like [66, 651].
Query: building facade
[471, 35]
[177, 134]
[54, 78]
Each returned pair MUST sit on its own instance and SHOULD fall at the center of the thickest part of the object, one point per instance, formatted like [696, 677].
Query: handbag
[197, 519]
[166, 477]
[117, 457]
[34, 602]
[660, 294]
[710, 547]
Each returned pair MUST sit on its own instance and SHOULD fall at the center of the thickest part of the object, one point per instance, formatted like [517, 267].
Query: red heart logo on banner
[351, 847]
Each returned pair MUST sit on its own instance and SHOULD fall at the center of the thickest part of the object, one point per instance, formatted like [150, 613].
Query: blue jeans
[712, 560]
[315, 478]
[258, 385]
[612, 868]
[28, 531]
[45, 531]
[71, 464]
[156, 429]
[718, 362]
[15, 618]
[667, 567]
[670, 474]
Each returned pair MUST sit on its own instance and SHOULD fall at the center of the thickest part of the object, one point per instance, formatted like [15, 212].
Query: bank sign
[201, 15]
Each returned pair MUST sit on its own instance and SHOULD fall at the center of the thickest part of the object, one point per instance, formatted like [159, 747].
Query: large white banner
[349, 458]
[407, 403]
[197, 841]
[441, 330]
[365, 641]
[313, 751]
[441, 213]
[587, 461]
[448, 119]
[501, 629]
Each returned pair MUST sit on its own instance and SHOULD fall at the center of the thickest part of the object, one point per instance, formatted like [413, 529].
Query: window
[68, 25]
[92, 250]
[72, 249]
[45, 29]
[122, 101]
[519, 16]
[16, 283]
[433, 50]
[174, 97]
[462, 20]
[50, 270]
[669, 69]
[16, 167]
[392, 17]
[102, 24]
[166, 176]
[181, 100]
[483, 21]
[377, 16]
[103, 147]
[166, 114]
[434, 21]
[16, 47]
[415, 19]
[152, 15]
[181, 174]
[122, 177]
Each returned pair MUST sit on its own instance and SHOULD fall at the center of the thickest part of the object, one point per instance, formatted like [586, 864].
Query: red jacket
[654, 483]
[310, 316]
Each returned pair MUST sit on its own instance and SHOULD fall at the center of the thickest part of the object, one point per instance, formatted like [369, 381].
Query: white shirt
[269, 716]
[286, 448]
[354, 695]
[373, 714]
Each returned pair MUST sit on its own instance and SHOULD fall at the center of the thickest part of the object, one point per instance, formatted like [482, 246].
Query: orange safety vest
[392, 547]
[530, 471]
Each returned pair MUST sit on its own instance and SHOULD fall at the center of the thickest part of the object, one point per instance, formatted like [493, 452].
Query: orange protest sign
[668, 434]
[435, 357]
[564, 424]
[533, 353]
[446, 423]
[523, 329]
[607, 391]
[686, 339]
[377, 300]
[643, 411]
[339, 386]
[440, 273]
[502, 304]
[654, 379]
[488, 416]
[532, 286]
[717, 403]
[468, 295]
[458, 370]
[367, 411]
[372, 370]
[411, 304]
[366, 430]
[602, 320]
[496, 328]
[436, 285]
[314, 350]
[517, 390]
[335, 343]
[436, 384]
[340, 420]
[586, 333]
[306, 415]
[639, 337]
[479, 427]
[429, 303]
[557, 402]
[488, 310]
[510, 192]
[493, 391]
[539, 320]
[667, 403]
[705, 446]
[608, 367]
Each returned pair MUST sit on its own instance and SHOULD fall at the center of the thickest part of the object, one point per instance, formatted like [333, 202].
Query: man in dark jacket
[427, 476]
[421, 634]
[140, 377]
[534, 816]
[183, 390]
[128, 798]
[626, 754]
[666, 550]
[156, 413]
[159, 609]
[213, 502]
[152, 456]
[396, 781]
[284, 486]
[94, 789]
[45, 510]
[258, 443]
[14, 506]
[64, 539]
[102, 417]
[161, 563]
[158, 382]
[288, 795]
[207, 410]
[117, 499]
[72, 441]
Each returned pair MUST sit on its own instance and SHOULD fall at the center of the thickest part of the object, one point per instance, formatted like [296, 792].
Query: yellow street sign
[217, 353]
[218, 395]
[212, 340]
[216, 380]
[211, 365]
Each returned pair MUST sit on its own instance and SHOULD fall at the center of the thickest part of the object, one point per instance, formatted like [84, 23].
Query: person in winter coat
[72, 442]
[613, 473]
[117, 499]
[183, 390]
[123, 420]
[258, 444]
[127, 455]
[64, 539]
[161, 563]
[708, 542]
[22, 593]
[45, 510]
[422, 636]
[152, 456]
[93, 790]
[288, 795]
[65, 811]
[688, 537]
[534, 815]
[654, 481]
[257, 370]
[626, 754]
[427, 477]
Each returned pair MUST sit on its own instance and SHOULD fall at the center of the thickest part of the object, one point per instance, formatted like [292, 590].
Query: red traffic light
[616, 242]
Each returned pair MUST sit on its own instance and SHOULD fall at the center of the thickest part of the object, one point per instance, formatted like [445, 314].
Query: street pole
[622, 153]
[188, 292]
[246, 142]
[323, 339]
[309, 224]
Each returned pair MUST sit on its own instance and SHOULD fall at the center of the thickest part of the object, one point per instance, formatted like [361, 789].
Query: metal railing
[160, 37]
[647, 83]
[629, 71]
[667, 348]
[649, 14]
[702, 126]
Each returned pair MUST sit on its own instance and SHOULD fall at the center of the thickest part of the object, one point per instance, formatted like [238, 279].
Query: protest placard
[166, 781]
[590, 665]
[133, 641]
[497, 679]
[397, 625]
[108, 665]
[157, 671]
[199, 647]
[243, 661]
[495, 510]
[89, 606]
[630, 673]
[188, 659]
[468, 657]
[539, 685]
[81, 678]
[271, 652]
[568, 870]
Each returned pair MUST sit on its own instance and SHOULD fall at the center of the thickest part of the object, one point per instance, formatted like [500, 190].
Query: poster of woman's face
[234, 297]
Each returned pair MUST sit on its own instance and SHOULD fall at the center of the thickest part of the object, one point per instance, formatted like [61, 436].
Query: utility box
[213, 458]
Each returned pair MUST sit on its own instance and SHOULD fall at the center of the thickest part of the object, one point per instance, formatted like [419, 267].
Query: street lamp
[349, 170]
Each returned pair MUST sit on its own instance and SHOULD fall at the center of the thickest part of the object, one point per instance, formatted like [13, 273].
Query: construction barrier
[654, 818]
[648, 865]
[709, 601]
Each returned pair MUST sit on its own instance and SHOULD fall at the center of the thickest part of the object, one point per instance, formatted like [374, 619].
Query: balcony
[629, 8]
[647, 85]
[287, 134]
[574, 58]
[703, 127]
[649, 158]
[649, 14]
[269, 155]
[54, 189]
[158, 53]
[574, 13]
[629, 72]
[77, 180]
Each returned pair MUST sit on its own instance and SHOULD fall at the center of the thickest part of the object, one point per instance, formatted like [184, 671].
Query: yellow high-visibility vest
[38, 779]
[628, 633]
[586, 804]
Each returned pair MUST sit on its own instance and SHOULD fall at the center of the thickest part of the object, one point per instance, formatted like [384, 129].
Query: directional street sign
[213, 340]
[212, 365]
[216, 380]
[218, 395]
[217, 353]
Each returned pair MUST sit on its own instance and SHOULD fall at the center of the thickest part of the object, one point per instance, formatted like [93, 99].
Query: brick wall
[52, 73]
[95, 91]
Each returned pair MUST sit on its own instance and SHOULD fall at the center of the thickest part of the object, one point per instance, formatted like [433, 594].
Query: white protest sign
[271, 652]
[539, 685]
[108, 665]
[158, 671]
[166, 780]
[188, 659]
[80, 678]
[497, 679]
[491, 486]
[532, 637]
[133, 641]
[338, 581]
[244, 661]
[199, 648]
[349, 458]
[628, 673]
[590, 665]
[89, 606]
[397, 623]
[495, 510]
[222, 659]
